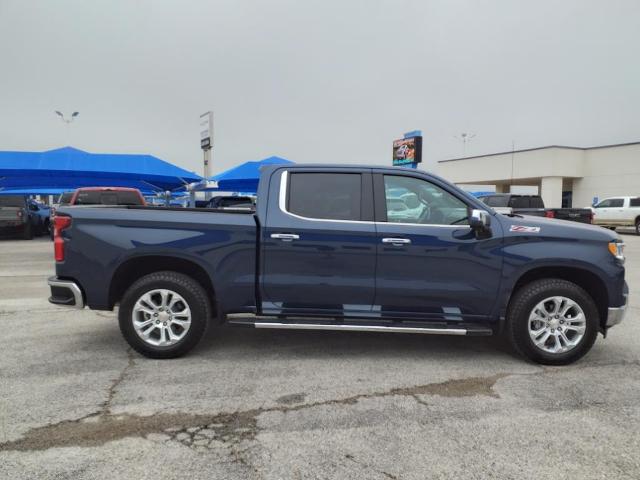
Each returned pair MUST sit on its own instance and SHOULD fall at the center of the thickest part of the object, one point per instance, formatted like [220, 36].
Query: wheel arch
[584, 278]
[136, 267]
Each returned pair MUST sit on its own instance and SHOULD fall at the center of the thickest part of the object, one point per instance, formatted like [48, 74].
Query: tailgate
[9, 214]
[574, 214]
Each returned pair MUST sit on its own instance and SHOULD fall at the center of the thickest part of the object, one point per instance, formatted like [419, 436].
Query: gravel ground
[76, 403]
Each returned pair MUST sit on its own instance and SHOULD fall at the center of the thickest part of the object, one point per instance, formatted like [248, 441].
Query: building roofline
[568, 147]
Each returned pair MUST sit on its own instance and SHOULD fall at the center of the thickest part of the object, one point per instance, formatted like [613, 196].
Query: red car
[99, 196]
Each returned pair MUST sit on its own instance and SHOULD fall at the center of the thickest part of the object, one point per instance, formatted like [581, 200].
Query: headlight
[617, 250]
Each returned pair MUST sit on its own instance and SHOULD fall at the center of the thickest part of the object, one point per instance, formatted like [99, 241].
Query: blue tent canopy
[244, 177]
[68, 168]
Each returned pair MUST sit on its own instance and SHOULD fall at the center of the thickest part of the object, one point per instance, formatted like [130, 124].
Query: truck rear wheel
[164, 314]
[552, 321]
[638, 226]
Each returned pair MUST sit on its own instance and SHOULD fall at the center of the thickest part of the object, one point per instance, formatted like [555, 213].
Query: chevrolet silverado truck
[533, 205]
[346, 248]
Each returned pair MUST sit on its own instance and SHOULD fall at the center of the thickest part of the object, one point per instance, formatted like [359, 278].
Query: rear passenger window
[331, 196]
[519, 202]
[635, 202]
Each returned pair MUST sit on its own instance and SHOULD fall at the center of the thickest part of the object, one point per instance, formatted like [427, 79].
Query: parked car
[18, 216]
[618, 212]
[322, 252]
[42, 213]
[533, 205]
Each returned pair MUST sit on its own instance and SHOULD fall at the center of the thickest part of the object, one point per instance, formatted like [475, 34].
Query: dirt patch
[97, 430]
[209, 431]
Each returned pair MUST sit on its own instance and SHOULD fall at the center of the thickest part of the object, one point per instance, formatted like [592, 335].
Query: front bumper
[616, 314]
[65, 293]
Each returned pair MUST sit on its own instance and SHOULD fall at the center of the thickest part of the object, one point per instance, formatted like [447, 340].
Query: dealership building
[565, 176]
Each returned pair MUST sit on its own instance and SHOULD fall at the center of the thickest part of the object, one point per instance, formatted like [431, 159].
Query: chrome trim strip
[615, 315]
[282, 203]
[397, 241]
[360, 328]
[73, 287]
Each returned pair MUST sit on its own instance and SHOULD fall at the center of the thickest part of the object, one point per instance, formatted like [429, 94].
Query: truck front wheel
[552, 321]
[164, 314]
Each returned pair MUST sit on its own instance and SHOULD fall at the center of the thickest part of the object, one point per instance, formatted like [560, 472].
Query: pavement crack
[351, 458]
[105, 408]
[208, 431]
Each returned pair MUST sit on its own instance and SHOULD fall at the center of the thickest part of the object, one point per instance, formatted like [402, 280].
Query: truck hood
[552, 227]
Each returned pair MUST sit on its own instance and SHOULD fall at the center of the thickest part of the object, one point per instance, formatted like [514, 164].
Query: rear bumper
[65, 293]
[616, 314]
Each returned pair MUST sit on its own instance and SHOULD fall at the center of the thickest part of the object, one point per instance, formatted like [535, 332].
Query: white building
[580, 173]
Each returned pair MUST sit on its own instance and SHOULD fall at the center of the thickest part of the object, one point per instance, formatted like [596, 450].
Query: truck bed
[223, 244]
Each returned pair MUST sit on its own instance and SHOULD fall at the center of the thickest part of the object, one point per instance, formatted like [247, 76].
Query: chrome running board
[361, 328]
[248, 321]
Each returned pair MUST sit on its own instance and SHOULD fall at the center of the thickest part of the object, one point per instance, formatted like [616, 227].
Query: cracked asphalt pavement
[76, 403]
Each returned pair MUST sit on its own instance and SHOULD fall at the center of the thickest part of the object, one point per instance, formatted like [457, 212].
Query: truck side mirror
[479, 219]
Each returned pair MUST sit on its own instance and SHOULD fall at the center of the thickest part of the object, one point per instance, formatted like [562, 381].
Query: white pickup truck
[618, 212]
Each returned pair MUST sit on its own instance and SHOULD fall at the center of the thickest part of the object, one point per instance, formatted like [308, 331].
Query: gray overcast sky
[317, 81]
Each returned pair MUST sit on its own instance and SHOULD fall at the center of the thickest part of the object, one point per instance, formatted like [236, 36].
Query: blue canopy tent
[244, 178]
[63, 169]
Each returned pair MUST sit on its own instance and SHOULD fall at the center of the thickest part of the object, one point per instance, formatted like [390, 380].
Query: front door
[319, 243]
[431, 264]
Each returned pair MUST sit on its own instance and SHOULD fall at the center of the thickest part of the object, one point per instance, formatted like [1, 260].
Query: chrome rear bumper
[65, 293]
[616, 314]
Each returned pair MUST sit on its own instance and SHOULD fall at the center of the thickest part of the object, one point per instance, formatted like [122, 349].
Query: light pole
[465, 138]
[65, 119]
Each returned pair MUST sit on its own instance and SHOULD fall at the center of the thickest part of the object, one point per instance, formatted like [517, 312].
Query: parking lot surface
[76, 402]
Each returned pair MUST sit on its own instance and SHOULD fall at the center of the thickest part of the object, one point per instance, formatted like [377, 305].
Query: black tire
[612, 228]
[27, 232]
[524, 301]
[195, 297]
[638, 226]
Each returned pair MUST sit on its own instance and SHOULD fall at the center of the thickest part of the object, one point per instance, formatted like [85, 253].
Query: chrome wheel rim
[161, 317]
[557, 325]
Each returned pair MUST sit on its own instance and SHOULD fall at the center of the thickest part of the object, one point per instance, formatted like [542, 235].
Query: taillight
[591, 215]
[550, 214]
[59, 224]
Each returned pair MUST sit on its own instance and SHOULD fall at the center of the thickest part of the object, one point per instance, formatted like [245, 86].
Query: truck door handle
[397, 242]
[285, 237]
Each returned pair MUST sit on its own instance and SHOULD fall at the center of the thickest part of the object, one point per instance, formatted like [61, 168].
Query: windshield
[65, 198]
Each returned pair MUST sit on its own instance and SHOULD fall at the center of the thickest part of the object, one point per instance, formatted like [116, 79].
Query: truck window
[496, 201]
[616, 203]
[331, 196]
[413, 200]
[65, 198]
[634, 202]
[105, 197]
[536, 202]
[519, 202]
[11, 201]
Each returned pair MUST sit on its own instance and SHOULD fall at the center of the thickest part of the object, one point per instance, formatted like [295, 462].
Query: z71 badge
[524, 229]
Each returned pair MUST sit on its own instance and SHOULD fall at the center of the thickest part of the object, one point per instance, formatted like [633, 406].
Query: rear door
[431, 265]
[606, 211]
[319, 243]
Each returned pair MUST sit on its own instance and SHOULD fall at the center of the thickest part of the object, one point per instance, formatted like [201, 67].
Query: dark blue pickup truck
[347, 248]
